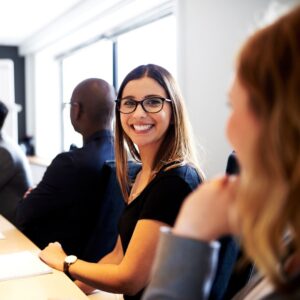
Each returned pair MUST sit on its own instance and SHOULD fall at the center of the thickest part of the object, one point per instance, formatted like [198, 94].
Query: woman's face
[243, 127]
[146, 130]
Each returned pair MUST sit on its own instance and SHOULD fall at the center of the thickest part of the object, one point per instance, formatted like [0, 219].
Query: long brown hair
[177, 146]
[269, 69]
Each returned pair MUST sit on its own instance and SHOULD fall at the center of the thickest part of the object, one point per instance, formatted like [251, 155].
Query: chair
[104, 236]
[240, 276]
[227, 260]
[230, 256]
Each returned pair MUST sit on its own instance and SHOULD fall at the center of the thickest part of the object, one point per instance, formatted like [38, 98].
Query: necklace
[138, 186]
[134, 190]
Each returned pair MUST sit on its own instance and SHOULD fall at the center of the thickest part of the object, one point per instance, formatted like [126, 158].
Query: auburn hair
[268, 66]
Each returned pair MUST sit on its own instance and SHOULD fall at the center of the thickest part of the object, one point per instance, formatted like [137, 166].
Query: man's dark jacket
[65, 205]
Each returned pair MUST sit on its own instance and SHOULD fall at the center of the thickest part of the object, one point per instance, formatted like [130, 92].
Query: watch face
[70, 259]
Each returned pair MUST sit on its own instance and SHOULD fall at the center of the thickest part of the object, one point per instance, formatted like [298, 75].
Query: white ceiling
[21, 19]
[34, 25]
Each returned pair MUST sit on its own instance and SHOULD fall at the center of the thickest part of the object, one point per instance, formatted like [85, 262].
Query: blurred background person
[15, 175]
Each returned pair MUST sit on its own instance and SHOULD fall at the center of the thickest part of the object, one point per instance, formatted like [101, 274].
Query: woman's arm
[114, 257]
[183, 268]
[127, 276]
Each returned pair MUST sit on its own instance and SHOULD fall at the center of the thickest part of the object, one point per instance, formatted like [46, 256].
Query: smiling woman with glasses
[153, 104]
[151, 122]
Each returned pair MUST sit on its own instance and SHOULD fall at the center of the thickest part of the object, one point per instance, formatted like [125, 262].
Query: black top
[160, 200]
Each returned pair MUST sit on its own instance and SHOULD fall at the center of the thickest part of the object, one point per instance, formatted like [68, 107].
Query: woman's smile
[142, 128]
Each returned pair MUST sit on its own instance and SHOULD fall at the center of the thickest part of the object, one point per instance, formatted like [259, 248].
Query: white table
[54, 286]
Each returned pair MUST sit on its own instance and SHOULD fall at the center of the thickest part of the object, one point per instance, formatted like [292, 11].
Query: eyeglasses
[70, 103]
[150, 105]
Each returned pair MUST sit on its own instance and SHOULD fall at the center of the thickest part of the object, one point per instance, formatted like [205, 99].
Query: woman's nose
[139, 111]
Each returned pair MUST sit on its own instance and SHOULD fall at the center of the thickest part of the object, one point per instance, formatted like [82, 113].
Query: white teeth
[141, 127]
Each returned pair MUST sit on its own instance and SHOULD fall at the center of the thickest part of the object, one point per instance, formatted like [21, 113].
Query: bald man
[65, 205]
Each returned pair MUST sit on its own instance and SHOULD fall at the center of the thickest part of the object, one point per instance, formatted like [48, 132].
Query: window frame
[112, 35]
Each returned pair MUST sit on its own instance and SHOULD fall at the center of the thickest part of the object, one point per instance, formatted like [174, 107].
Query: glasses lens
[127, 106]
[153, 105]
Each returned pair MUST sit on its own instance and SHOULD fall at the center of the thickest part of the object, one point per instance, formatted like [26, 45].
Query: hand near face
[53, 255]
[28, 192]
[207, 213]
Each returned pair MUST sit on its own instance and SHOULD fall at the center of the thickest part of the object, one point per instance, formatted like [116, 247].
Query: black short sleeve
[160, 200]
[165, 199]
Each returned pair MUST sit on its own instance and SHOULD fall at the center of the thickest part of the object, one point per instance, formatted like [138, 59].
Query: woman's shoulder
[185, 172]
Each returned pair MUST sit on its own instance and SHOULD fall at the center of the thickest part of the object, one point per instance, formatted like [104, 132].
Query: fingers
[55, 244]
[222, 181]
[28, 192]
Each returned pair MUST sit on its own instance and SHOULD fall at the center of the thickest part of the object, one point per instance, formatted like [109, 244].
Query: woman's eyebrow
[154, 95]
[128, 97]
[146, 96]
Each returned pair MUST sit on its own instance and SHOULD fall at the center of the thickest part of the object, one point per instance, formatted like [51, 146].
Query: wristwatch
[69, 260]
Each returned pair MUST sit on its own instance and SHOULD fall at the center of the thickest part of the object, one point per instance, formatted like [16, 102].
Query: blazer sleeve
[51, 193]
[183, 268]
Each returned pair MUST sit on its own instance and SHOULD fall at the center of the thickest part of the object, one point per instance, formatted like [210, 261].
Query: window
[92, 61]
[154, 42]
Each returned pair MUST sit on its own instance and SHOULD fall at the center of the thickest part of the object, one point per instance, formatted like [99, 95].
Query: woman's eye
[128, 103]
[153, 102]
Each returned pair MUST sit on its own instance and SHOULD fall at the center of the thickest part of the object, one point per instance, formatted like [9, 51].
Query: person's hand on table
[53, 255]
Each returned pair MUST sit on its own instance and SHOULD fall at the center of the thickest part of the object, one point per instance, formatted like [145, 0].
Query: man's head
[92, 106]
[3, 113]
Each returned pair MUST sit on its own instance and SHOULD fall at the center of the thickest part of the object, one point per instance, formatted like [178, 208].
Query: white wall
[7, 96]
[209, 35]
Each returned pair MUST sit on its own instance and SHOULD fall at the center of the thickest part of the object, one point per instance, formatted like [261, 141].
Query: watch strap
[66, 269]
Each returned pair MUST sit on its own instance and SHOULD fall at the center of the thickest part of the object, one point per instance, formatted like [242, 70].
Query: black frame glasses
[151, 105]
